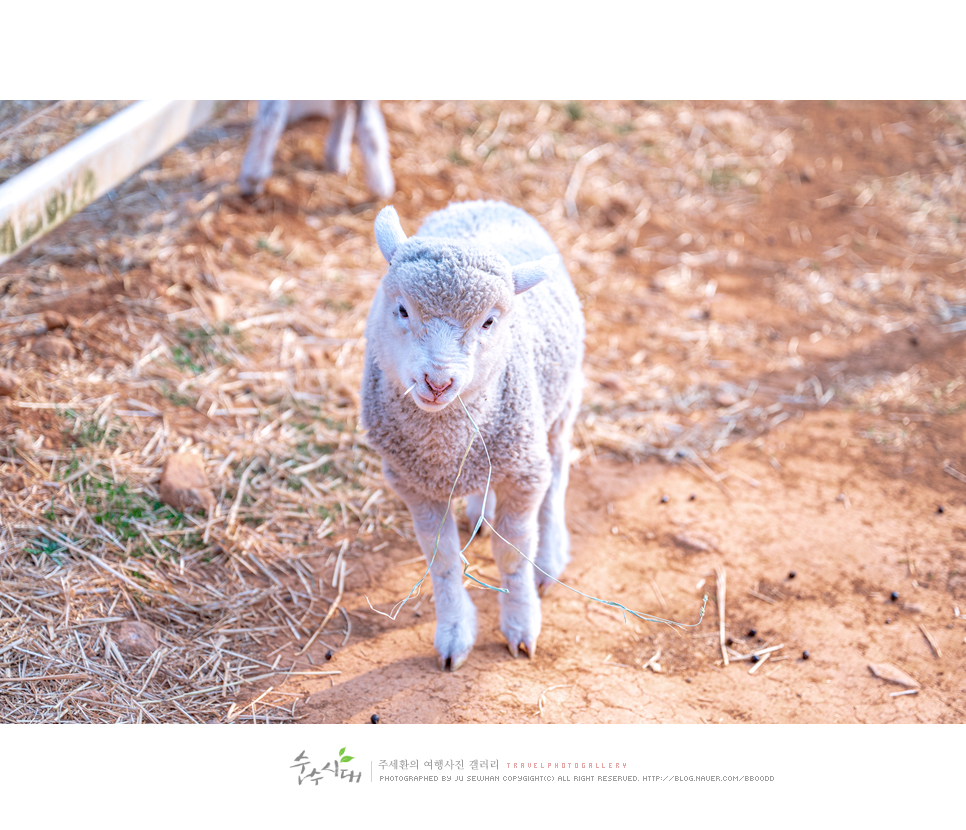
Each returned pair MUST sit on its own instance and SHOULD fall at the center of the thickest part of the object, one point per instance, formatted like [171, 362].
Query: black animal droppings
[804, 655]
[374, 718]
[894, 596]
[328, 654]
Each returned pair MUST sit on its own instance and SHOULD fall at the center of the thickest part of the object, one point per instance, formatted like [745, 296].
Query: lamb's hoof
[449, 663]
[251, 188]
[528, 648]
[544, 583]
[454, 643]
[520, 613]
[382, 185]
[548, 571]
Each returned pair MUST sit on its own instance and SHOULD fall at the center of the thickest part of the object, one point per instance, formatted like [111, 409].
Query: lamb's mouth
[434, 404]
[434, 401]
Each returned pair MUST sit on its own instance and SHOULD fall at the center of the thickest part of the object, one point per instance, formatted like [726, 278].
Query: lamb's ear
[389, 233]
[529, 274]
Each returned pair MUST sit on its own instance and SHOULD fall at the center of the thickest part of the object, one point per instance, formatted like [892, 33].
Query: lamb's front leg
[455, 612]
[516, 531]
[553, 551]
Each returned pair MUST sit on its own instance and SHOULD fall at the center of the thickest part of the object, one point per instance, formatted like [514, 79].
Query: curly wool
[424, 269]
[458, 263]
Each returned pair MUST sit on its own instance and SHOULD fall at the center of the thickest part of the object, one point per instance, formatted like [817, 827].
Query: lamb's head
[440, 320]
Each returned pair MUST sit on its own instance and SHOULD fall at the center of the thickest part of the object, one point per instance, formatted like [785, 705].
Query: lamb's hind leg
[374, 144]
[516, 533]
[455, 612]
[338, 146]
[553, 551]
[266, 131]
[475, 506]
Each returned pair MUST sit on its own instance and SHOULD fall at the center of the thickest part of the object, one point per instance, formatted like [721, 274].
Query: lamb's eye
[403, 313]
[488, 323]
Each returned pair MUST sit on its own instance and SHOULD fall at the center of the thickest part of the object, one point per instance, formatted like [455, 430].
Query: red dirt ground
[847, 498]
[853, 520]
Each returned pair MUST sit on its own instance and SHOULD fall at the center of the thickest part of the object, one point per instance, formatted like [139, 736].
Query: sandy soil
[775, 411]
[811, 556]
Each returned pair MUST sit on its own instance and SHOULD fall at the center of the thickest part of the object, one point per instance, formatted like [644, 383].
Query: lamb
[477, 306]
[273, 116]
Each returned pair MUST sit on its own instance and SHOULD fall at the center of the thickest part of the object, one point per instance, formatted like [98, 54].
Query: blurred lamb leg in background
[274, 116]
[374, 144]
[266, 131]
[338, 148]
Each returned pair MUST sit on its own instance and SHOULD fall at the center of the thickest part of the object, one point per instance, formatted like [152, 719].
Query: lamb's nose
[438, 388]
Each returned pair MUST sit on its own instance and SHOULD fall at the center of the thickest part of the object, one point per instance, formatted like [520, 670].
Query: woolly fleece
[458, 265]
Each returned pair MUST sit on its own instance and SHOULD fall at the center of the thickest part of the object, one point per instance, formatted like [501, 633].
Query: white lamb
[364, 118]
[478, 304]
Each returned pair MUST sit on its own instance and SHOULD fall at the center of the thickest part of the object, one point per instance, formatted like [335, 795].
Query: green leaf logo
[343, 757]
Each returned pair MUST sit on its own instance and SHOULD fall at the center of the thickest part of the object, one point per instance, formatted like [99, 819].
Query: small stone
[9, 383]
[184, 483]
[54, 320]
[665, 499]
[53, 348]
[726, 399]
[135, 639]
[13, 483]
[614, 383]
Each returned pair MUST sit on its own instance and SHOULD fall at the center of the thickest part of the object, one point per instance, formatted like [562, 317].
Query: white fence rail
[55, 188]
